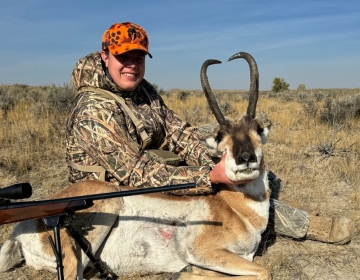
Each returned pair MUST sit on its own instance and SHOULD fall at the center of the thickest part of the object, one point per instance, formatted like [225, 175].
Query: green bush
[279, 85]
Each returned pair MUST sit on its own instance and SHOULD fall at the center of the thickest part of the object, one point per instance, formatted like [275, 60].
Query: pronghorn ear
[264, 127]
[213, 142]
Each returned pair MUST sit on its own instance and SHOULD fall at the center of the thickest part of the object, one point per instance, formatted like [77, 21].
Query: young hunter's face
[127, 70]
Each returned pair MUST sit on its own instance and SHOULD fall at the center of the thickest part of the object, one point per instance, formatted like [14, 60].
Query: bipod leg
[85, 246]
[55, 223]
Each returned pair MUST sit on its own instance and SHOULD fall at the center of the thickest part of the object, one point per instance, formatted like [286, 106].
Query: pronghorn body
[154, 233]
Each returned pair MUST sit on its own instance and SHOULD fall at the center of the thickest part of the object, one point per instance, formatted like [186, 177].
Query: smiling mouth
[129, 75]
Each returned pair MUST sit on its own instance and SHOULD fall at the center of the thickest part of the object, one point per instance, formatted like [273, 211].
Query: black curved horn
[208, 92]
[254, 82]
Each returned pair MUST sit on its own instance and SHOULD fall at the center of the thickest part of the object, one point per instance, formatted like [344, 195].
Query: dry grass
[313, 150]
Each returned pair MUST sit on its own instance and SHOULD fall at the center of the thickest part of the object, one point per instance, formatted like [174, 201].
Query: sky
[310, 42]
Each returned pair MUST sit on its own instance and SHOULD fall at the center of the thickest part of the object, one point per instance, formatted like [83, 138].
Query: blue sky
[311, 42]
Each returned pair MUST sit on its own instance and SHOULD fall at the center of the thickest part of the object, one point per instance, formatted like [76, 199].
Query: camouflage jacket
[99, 132]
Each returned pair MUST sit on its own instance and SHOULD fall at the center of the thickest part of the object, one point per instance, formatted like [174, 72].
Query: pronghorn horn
[254, 82]
[208, 92]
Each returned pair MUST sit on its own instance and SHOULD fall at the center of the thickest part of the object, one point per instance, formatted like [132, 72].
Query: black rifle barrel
[100, 196]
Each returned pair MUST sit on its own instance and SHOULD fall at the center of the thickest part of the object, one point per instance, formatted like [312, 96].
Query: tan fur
[207, 243]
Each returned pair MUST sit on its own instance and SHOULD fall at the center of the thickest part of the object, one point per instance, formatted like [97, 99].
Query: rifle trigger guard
[52, 221]
[61, 220]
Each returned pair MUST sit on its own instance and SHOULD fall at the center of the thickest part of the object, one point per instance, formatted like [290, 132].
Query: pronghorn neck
[243, 201]
[257, 190]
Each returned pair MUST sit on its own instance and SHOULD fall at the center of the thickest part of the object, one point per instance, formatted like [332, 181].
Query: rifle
[56, 213]
[13, 212]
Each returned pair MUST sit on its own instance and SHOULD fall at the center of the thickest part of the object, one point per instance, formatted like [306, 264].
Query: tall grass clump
[32, 123]
[337, 111]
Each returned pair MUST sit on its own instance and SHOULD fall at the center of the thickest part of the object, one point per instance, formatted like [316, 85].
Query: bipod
[64, 221]
[85, 247]
[55, 223]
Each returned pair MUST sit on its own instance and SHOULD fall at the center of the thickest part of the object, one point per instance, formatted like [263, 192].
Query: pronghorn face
[241, 141]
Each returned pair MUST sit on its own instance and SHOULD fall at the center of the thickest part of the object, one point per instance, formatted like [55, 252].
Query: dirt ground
[284, 257]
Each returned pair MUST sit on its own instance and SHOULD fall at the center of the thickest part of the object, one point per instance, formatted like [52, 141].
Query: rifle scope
[17, 191]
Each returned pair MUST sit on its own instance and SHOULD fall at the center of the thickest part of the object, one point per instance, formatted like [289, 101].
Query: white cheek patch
[259, 155]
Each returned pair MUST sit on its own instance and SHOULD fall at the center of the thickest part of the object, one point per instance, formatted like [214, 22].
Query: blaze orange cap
[126, 36]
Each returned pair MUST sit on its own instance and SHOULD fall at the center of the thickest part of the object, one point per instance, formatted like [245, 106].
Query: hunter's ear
[105, 57]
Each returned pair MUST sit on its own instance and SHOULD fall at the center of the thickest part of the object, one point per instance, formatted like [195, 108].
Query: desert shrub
[160, 91]
[196, 116]
[301, 87]
[279, 85]
[286, 97]
[303, 97]
[336, 111]
[310, 108]
[318, 96]
[18, 92]
[183, 95]
[6, 101]
[226, 108]
[237, 96]
[60, 98]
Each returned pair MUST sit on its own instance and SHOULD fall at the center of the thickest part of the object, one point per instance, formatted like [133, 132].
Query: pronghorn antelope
[149, 234]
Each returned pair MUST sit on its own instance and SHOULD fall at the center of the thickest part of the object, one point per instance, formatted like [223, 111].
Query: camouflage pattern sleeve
[100, 133]
[187, 141]
[181, 138]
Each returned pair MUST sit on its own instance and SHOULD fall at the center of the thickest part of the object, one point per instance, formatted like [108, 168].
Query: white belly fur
[149, 233]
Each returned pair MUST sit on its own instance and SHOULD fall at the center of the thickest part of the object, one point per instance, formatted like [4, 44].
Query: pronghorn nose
[246, 157]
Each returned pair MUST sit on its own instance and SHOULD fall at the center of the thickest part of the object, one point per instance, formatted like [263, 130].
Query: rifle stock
[30, 212]
[16, 212]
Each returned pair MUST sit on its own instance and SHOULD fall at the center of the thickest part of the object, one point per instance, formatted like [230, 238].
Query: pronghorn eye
[218, 137]
[260, 130]
[257, 127]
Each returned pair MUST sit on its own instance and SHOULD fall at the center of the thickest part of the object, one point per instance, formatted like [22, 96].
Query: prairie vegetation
[314, 149]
